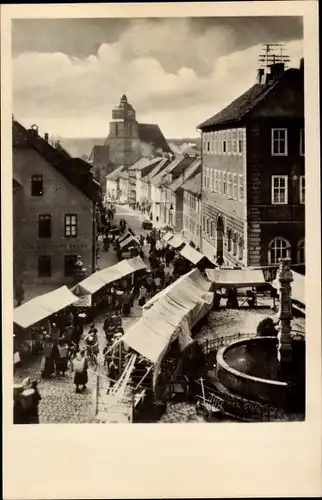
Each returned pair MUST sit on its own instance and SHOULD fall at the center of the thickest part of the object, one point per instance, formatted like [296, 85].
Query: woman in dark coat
[80, 367]
[48, 360]
[36, 398]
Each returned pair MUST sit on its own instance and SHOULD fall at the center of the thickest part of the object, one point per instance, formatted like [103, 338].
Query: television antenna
[273, 53]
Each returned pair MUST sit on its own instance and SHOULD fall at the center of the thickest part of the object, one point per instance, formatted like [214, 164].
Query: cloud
[73, 96]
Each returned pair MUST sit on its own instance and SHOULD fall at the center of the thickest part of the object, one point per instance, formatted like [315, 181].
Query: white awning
[191, 254]
[176, 241]
[167, 237]
[236, 277]
[127, 241]
[298, 287]
[41, 307]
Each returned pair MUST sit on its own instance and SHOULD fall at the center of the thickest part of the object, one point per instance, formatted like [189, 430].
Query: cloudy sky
[69, 73]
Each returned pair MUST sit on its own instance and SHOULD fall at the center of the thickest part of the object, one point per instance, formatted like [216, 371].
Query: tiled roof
[160, 166]
[100, 155]
[241, 106]
[158, 179]
[193, 185]
[113, 176]
[150, 133]
[74, 170]
[189, 172]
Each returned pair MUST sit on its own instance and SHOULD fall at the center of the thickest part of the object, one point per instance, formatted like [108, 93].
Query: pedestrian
[62, 361]
[112, 373]
[142, 295]
[34, 409]
[19, 415]
[126, 307]
[47, 366]
[80, 367]
[54, 333]
[157, 282]
[142, 240]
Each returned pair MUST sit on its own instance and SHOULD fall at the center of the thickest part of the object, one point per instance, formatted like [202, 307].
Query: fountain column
[285, 278]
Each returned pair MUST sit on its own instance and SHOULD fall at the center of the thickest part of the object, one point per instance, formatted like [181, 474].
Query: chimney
[276, 70]
[46, 137]
[260, 74]
[33, 130]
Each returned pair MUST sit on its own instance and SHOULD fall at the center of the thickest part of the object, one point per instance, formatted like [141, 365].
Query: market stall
[246, 280]
[170, 318]
[298, 291]
[196, 258]
[176, 242]
[28, 317]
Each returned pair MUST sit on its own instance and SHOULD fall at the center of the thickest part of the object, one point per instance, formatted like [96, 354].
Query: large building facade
[54, 211]
[192, 210]
[253, 177]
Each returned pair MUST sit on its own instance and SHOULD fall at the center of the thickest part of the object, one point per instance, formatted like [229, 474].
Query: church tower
[123, 138]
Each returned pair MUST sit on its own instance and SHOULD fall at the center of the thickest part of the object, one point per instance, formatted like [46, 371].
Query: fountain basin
[249, 368]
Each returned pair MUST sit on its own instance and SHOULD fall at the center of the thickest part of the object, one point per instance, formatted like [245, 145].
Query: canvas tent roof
[101, 278]
[168, 236]
[236, 277]
[176, 241]
[189, 299]
[41, 307]
[191, 254]
[298, 287]
[128, 240]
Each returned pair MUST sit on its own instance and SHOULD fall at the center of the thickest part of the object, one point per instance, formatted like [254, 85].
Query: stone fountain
[268, 369]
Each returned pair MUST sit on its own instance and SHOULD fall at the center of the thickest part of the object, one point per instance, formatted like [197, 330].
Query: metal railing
[209, 345]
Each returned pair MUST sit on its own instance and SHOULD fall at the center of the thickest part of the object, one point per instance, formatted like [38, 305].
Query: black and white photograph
[161, 250]
[158, 186]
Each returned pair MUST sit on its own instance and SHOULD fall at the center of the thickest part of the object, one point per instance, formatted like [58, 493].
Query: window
[279, 248]
[301, 252]
[220, 142]
[70, 226]
[234, 141]
[70, 261]
[279, 142]
[228, 135]
[302, 142]
[241, 188]
[240, 248]
[211, 142]
[235, 186]
[229, 185]
[37, 185]
[224, 183]
[302, 189]
[216, 181]
[208, 227]
[208, 141]
[211, 179]
[116, 129]
[204, 141]
[279, 189]
[204, 178]
[235, 244]
[219, 182]
[44, 226]
[44, 266]
[204, 224]
[229, 239]
[224, 142]
[215, 142]
[240, 141]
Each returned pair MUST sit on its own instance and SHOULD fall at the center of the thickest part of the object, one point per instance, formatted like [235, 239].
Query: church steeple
[124, 110]
[123, 135]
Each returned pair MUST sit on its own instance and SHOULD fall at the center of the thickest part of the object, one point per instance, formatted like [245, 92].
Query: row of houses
[241, 201]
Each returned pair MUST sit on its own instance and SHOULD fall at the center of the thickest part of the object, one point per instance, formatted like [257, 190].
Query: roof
[100, 154]
[173, 313]
[41, 307]
[193, 185]
[237, 278]
[62, 150]
[101, 278]
[157, 180]
[240, 107]
[188, 172]
[163, 163]
[189, 253]
[150, 133]
[113, 176]
[75, 170]
[144, 162]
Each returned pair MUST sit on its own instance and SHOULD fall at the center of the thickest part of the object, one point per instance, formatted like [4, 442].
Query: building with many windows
[54, 211]
[253, 178]
[192, 210]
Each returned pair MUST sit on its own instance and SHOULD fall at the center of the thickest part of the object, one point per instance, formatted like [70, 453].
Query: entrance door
[220, 237]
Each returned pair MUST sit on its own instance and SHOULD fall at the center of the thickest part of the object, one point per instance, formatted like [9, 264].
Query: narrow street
[60, 403]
